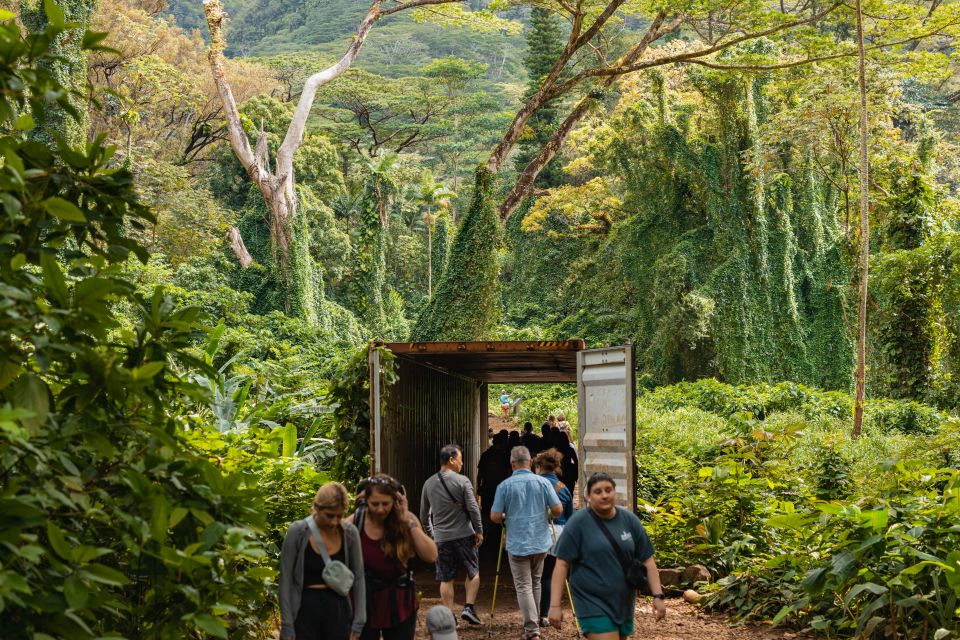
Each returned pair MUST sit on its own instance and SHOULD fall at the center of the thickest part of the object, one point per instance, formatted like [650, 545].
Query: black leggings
[549, 562]
[323, 615]
[403, 631]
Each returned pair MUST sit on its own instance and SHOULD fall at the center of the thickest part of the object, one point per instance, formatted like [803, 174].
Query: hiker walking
[523, 501]
[604, 550]
[449, 512]
[547, 466]
[389, 537]
[530, 440]
[492, 469]
[319, 599]
[505, 403]
[549, 423]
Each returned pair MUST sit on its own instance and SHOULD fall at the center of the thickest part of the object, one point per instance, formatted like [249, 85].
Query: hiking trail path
[683, 622]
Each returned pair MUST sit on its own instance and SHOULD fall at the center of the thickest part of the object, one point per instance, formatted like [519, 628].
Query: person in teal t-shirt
[604, 606]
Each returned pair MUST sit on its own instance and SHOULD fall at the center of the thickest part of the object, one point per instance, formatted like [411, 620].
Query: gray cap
[441, 623]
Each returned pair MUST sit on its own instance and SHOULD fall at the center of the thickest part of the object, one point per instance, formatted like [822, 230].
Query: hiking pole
[496, 582]
[553, 530]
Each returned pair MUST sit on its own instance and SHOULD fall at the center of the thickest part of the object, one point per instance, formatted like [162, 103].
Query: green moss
[723, 270]
[70, 69]
[297, 290]
[368, 289]
[466, 304]
[442, 235]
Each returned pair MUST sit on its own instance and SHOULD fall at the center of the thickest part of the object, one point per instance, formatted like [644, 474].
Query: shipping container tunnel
[439, 396]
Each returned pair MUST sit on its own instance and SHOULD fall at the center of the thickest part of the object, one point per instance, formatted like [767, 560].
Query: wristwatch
[659, 596]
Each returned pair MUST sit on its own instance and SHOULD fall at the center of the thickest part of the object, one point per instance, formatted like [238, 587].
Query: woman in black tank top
[323, 614]
[313, 565]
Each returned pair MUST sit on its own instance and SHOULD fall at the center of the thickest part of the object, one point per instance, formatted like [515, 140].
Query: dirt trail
[497, 422]
[683, 622]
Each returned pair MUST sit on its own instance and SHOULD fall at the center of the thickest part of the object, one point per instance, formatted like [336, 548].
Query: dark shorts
[453, 554]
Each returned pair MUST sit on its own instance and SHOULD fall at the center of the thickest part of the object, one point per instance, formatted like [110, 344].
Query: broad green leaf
[953, 571]
[31, 393]
[289, 435]
[75, 592]
[13, 292]
[104, 574]
[25, 122]
[78, 621]
[54, 13]
[814, 580]
[177, 515]
[213, 343]
[66, 211]
[875, 589]
[147, 371]
[917, 568]
[6, 15]
[794, 521]
[17, 261]
[59, 542]
[91, 40]
[876, 519]
[212, 534]
[785, 610]
[85, 553]
[160, 518]
[211, 625]
[9, 370]
[202, 516]
[54, 280]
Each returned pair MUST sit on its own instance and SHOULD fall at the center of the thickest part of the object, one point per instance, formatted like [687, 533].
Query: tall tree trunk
[429, 260]
[277, 186]
[860, 375]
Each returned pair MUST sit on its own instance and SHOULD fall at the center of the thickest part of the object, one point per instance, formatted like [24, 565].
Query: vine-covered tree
[67, 120]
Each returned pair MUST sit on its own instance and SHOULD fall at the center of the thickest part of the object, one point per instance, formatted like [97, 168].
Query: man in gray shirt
[449, 513]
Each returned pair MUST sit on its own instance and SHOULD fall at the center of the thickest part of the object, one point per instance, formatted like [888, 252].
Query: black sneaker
[470, 615]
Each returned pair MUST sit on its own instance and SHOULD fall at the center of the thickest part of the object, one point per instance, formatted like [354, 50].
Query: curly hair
[397, 541]
[548, 461]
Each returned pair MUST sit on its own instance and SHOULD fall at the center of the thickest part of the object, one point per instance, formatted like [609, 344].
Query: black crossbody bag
[462, 505]
[634, 571]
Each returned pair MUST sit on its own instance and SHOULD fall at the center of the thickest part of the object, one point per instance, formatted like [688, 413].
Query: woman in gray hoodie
[309, 608]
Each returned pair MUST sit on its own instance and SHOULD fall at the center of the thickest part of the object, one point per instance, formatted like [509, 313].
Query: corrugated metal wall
[425, 410]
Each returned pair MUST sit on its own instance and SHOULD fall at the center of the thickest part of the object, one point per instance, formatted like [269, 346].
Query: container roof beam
[497, 362]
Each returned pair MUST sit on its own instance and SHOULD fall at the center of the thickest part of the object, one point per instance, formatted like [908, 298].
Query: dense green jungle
[188, 292]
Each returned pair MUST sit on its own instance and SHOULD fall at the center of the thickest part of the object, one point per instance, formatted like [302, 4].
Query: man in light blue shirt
[522, 502]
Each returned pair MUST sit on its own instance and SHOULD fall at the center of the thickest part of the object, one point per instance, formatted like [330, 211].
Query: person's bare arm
[425, 547]
[653, 579]
[555, 615]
